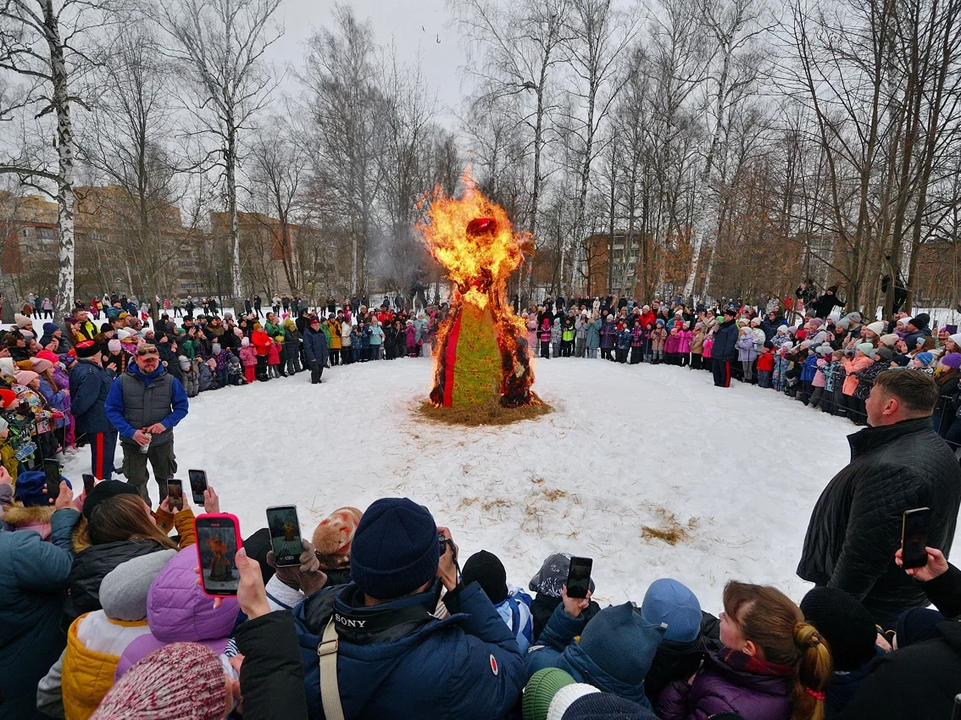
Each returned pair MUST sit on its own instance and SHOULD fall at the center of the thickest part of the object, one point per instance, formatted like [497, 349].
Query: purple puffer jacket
[723, 687]
[178, 611]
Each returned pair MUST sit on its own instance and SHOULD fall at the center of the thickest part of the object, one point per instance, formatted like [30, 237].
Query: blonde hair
[769, 619]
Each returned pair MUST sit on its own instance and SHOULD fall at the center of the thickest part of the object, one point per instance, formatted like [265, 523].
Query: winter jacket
[136, 400]
[248, 356]
[466, 666]
[273, 353]
[34, 575]
[261, 342]
[608, 335]
[272, 674]
[819, 379]
[515, 611]
[684, 341]
[658, 339]
[178, 611]
[809, 368]
[376, 335]
[852, 366]
[727, 684]
[725, 341]
[855, 527]
[594, 334]
[746, 351]
[191, 380]
[556, 332]
[315, 347]
[765, 362]
[672, 342]
[624, 338]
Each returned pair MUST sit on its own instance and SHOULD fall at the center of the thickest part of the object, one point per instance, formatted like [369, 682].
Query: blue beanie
[50, 328]
[606, 706]
[395, 549]
[622, 643]
[668, 601]
[30, 487]
[925, 358]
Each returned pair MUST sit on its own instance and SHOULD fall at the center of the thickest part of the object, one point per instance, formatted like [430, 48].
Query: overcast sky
[414, 26]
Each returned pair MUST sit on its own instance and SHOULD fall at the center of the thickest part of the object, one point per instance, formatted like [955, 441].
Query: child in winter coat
[820, 379]
[746, 353]
[697, 346]
[248, 356]
[567, 336]
[808, 373]
[647, 332]
[684, 338]
[658, 340]
[273, 357]
[862, 360]
[511, 603]
[556, 334]
[189, 376]
[832, 382]
[410, 339]
[637, 343]
[765, 365]
[292, 345]
[708, 347]
[671, 344]
[623, 342]
[545, 338]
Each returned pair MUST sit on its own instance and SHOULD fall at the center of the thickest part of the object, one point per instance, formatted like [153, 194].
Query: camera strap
[329, 687]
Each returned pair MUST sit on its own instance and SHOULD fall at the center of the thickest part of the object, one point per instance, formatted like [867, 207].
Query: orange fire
[474, 240]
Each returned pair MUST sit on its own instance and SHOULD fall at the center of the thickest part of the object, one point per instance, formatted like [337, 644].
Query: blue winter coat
[315, 346]
[467, 666]
[810, 368]
[746, 350]
[89, 387]
[34, 576]
[556, 648]
[725, 339]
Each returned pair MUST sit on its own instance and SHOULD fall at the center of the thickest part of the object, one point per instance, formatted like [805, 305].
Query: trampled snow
[627, 447]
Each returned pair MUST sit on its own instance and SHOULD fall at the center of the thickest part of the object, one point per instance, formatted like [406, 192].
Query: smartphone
[579, 577]
[198, 485]
[175, 495]
[914, 537]
[51, 468]
[284, 535]
[88, 482]
[218, 539]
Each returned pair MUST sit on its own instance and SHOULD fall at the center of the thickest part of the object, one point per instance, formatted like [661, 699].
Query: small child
[623, 342]
[512, 604]
[697, 346]
[248, 356]
[637, 343]
[671, 345]
[410, 339]
[684, 336]
[708, 347]
[556, 334]
[820, 379]
[545, 339]
[273, 356]
[648, 331]
[765, 365]
[658, 338]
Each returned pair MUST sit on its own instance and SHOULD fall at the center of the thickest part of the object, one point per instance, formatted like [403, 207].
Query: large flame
[475, 242]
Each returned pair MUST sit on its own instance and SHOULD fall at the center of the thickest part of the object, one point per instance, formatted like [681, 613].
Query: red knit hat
[48, 355]
[334, 535]
[182, 681]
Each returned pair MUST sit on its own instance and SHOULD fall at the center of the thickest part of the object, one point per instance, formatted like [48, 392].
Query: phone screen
[51, 468]
[88, 482]
[198, 484]
[914, 537]
[284, 535]
[217, 545]
[175, 495]
[579, 577]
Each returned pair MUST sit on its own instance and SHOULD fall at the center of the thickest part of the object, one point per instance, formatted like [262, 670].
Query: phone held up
[218, 539]
[175, 495]
[284, 535]
[914, 537]
[579, 577]
[51, 469]
[198, 485]
[88, 482]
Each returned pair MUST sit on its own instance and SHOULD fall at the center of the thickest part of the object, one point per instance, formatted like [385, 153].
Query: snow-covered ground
[627, 447]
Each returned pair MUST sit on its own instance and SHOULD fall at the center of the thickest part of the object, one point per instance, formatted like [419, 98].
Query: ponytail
[813, 673]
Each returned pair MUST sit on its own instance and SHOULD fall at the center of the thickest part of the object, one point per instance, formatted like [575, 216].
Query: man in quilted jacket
[898, 463]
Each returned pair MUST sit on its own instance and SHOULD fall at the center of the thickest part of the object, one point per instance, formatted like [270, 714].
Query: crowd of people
[102, 615]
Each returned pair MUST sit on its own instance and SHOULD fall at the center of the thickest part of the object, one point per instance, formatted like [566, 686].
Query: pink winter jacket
[248, 356]
[820, 379]
[684, 341]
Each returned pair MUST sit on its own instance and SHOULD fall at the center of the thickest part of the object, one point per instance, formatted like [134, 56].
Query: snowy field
[612, 459]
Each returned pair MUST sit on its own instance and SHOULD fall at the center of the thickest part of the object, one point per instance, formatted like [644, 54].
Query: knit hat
[395, 549]
[182, 681]
[867, 349]
[184, 362]
[921, 320]
[124, 333]
[845, 624]
[952, 360]
[238, 332]
[30, 485]
[957, 339]
[103, 491]
[854, 317]
[25, 377]
[607, 706]
[48, 355]
[782, 329]
[552, 576]
[123, 592]
[8, 398]
[22, 320]
[113, 346]
[565, 697]
[7, 366]
[50, 328]
[86, 349]
[925, 358]
[488, 571]
[541, 689]
[334, 535]
[877, 327]
[890, 340]
[40, 365]
[244, 342]
[843, 324]
[916, 625]
[610, 318]
[823, 350]
[922, 340]
[905, 320]
[622, 643]
[884, 353]
[668, 601]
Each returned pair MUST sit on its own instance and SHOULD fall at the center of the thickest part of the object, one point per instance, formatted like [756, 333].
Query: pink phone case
[216, 516]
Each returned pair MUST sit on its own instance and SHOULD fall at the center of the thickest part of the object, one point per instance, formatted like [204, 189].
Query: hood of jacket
[22, 517]
[579, 665]
[178, 610]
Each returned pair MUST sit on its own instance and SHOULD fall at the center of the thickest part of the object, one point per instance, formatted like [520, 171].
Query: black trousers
[316, 370]
[696, 361]
[722, 372]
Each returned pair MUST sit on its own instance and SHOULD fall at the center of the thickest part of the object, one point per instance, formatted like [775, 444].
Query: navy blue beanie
[30, 487]
[395, 549]
[50, 328]
[606, 706]
[622, 643]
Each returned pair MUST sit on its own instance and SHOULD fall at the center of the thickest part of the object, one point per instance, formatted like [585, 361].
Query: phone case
[239, 541]
[284, 507]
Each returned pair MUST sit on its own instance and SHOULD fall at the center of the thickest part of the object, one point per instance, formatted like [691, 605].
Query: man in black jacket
[723, 351]
[898, 463]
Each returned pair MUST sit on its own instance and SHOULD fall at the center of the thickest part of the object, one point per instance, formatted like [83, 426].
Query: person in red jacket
[765, 365]
[261, 342]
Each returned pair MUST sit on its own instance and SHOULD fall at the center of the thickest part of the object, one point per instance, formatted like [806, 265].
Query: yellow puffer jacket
[335, 330]
[94, 645]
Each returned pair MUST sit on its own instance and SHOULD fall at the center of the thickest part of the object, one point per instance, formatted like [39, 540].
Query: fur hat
[22, 320]
[86, 349]
[333, 536]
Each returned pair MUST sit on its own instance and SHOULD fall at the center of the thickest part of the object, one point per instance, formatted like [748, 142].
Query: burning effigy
[482, 356]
